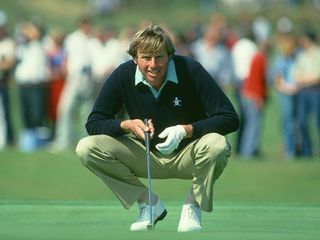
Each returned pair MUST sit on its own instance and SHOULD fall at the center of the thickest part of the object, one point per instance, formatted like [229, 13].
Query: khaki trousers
[120, 161]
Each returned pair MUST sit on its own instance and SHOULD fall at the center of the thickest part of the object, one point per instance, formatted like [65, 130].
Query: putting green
[44, 196]
[96, 220]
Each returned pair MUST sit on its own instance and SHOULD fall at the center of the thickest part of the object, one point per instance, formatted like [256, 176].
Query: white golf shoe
[158, 213]
[190, 219]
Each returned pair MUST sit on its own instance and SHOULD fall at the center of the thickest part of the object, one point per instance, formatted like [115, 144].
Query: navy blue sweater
[195, 100]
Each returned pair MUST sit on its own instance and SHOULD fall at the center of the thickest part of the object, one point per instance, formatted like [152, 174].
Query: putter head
[150, 227]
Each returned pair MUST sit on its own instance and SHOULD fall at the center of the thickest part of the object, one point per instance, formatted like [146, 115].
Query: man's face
[153, 66]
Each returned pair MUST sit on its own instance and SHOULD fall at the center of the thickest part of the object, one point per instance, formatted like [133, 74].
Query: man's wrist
[189, 130]
[123, 126]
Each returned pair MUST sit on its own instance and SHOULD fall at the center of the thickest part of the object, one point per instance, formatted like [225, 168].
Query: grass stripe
[94, 220]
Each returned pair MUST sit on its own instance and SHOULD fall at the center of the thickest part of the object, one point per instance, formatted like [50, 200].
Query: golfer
[188, 114]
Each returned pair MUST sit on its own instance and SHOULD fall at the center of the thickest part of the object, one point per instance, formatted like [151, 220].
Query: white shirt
[308, 65]
[32, 64]
[242, 54]
[77, 48]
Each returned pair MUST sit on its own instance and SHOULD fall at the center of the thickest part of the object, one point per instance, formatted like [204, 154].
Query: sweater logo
[177, 102]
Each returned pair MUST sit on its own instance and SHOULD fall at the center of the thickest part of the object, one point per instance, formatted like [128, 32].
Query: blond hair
[150, 40]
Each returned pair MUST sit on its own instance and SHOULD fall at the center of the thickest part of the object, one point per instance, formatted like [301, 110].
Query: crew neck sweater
[195, 99]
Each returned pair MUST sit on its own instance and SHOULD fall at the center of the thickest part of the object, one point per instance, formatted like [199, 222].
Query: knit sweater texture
[196, 99]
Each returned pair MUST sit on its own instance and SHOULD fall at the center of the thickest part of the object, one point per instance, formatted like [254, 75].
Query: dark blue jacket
[195, 100]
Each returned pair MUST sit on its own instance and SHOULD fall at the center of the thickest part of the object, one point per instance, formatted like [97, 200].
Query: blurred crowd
[58, 75]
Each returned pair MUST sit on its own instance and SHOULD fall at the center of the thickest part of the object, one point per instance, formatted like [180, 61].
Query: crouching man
[188, 114]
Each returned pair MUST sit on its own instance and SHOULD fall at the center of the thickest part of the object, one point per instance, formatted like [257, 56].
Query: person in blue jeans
[287, 92]
[307, 77]
[253, 100]
[7, 62]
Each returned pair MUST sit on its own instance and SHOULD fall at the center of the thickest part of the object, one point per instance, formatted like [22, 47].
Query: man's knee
[216, 149]
[214, 144]
[101, 147]
[84, 148]
[220, 150]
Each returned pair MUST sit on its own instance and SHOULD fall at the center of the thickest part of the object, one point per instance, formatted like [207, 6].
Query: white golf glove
[174, 136]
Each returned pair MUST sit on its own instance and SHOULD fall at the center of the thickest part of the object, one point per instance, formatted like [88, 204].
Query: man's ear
[135, 60]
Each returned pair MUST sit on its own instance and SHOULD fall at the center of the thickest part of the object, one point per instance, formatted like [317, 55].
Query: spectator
[100, 58]
[242, 54]
[31, 75]
[57, 63]
[287, 89]
[253, 95]
[77, 93]
[7, 61]
[213, 55]
[307, 77]
[107, 53]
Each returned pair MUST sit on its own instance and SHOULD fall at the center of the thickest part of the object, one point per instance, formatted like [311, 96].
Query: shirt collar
[171, 75]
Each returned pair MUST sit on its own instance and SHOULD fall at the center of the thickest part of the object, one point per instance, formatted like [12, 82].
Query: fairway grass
[45, 196]
[96, 220]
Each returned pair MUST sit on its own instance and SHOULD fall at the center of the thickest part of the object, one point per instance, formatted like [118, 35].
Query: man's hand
[174, 136]
[137, 127]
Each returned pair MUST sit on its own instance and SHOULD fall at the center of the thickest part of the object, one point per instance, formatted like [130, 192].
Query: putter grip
[145, 121]
[147, 135]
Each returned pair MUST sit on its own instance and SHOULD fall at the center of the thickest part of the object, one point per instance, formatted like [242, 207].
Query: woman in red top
[253, 94]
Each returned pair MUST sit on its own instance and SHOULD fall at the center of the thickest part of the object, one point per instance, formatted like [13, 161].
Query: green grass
[52, 196]
[44, 176]
[91, 220]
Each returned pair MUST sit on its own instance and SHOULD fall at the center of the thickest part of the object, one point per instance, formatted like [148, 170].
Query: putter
[147, 141]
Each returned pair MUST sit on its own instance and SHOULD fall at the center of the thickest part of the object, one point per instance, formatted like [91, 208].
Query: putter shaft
[147, 142]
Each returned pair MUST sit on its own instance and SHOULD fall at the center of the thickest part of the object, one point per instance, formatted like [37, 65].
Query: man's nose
[153, 62]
